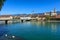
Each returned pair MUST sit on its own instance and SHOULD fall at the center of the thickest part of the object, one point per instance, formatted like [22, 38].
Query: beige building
[51, 13]
[6, 17]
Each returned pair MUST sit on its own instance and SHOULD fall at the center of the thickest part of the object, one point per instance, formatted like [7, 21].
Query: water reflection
[34, 30]
[53, 27]
[38, 23]
[49, 25]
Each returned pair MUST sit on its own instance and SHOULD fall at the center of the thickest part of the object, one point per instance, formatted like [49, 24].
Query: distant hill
[39, 13]
[18, 14]
[58, 12]
[28, 14]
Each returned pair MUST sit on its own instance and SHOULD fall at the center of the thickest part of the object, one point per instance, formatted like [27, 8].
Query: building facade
[51, 13]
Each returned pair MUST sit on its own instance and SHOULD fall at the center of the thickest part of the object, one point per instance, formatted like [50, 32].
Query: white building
[25, 18]
[51, 13]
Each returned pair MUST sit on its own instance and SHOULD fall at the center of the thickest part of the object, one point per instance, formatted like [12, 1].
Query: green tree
[47, 17]
[1, 3]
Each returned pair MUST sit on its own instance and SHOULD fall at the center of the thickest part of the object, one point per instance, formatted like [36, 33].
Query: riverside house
[57, 17]
[25, 17]
[38, 16]
[32, 17]
[6, 17]
[41, 17]
[51, 13]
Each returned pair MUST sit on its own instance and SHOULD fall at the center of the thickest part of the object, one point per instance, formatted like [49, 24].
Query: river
[32, 30]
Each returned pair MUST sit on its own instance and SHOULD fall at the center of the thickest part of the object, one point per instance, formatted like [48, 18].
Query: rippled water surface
[32, 30]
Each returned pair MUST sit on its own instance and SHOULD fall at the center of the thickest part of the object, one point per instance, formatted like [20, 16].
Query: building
[41, 17]
[51, 13]
[57, 17]
[6, 17]
[25, 17]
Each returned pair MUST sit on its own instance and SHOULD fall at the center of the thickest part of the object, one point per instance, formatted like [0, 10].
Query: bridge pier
[6, 21]
[23, 20]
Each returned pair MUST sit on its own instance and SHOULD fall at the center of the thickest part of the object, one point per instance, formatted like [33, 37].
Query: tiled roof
[5, 15]
[58, 16]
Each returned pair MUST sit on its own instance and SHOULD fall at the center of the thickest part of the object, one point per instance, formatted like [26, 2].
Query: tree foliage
[47, 17]
[1, 3]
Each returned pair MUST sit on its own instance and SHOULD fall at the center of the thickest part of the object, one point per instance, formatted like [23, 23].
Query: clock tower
[54, 12]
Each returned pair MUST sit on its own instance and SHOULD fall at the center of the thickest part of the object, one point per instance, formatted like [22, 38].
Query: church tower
[54, 12]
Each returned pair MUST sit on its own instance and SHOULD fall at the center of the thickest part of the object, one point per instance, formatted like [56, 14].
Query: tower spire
[54, 10]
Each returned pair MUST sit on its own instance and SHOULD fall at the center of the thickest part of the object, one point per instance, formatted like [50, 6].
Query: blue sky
[27, 6]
